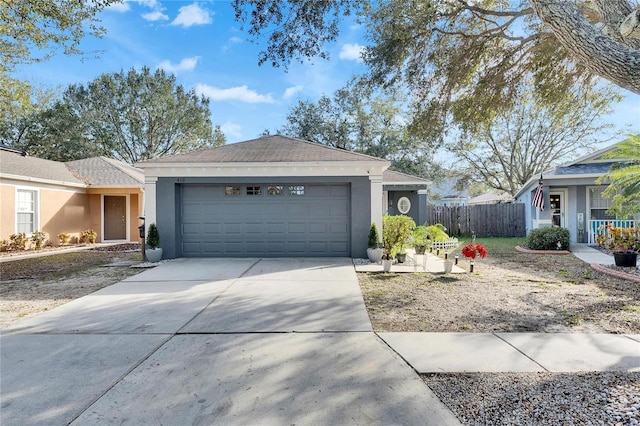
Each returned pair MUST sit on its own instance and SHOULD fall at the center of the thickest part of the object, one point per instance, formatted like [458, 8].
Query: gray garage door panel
[313, 224]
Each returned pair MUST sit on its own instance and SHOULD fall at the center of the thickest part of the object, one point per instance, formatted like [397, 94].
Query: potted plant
[387, 261]
[153, 253]
[396, 231]
[374, 252]
[624, 243]
[420, 239]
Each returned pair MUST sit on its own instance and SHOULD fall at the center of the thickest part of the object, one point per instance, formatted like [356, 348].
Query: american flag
[538, 197]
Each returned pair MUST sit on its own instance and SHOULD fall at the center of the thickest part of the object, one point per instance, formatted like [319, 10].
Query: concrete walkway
[591, 255]
[203, 341]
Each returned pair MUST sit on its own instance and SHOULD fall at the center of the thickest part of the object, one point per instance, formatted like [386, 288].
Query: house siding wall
[168, 200]
[416, 213]
[59, 210]
[8, 212]
[63, 212]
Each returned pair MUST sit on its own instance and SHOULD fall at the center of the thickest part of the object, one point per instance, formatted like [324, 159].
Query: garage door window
[232, 190]
[296, 190]
[254, 190]
[275, 190]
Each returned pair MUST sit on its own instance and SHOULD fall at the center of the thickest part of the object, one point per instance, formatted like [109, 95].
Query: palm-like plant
[624, 178]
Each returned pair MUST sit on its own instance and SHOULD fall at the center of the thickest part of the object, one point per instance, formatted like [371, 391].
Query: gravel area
[605, 398]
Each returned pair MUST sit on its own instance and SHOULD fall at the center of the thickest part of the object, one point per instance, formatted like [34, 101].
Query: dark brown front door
[115, 217]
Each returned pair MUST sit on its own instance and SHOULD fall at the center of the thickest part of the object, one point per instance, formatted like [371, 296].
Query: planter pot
[386, 265]
[625, 259]
[401, 257]
[420, 249]
[153, 255]
[375, 254]
[448, 266]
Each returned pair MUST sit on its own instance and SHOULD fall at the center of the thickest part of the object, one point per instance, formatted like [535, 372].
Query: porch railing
[594, 226]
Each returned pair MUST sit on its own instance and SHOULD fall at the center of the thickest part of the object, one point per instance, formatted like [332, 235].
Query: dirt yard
[34, 285]
[509, 291]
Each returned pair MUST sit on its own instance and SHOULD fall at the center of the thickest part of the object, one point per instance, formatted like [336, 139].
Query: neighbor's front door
[557, 202]
[115, 217]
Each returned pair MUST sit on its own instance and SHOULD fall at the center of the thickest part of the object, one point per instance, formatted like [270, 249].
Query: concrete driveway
[213, 341]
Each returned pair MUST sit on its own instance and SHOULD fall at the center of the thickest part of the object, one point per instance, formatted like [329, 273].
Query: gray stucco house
[572, 198]
[270, 197]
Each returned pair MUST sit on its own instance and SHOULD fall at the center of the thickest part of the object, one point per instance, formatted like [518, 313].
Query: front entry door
[115, 217]
[557, 202]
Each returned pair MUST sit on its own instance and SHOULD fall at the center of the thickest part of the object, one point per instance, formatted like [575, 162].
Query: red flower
[472, 250]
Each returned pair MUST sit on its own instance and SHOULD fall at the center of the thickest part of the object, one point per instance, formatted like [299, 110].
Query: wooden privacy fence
[485, 220]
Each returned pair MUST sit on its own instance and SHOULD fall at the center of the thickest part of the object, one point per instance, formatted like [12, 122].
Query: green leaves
[624, 178]
[140, 115]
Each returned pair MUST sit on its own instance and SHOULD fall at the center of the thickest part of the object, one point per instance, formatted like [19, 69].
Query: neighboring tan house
[272, 196]
[54, 197]
[572, 198]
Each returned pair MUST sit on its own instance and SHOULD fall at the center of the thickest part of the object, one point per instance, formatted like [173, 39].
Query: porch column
[376, 201]
[150, 200]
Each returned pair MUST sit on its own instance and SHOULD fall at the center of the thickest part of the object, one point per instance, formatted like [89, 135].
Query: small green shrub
[548, 239]
[153, 237]
[374, 236]
[38, 238]
[18, 241]
[64, 238]
[89, 236]
[396, 231]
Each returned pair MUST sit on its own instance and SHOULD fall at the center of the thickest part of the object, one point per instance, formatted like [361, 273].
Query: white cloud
[351, 52]
[231, 130]
[119, 7]
[191, 15]
[152, 4]
[231, 42]
[187, 64]
[292, 91]
[240, 93]
[156, 15]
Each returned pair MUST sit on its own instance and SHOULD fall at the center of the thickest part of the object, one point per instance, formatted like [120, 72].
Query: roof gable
[390, 177]
[103, 172]
[270, 149]
[22, 166]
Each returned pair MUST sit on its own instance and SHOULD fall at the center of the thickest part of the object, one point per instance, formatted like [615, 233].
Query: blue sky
[202, 44]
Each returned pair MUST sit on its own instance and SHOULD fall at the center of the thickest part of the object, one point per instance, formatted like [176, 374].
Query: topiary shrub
[374, 236]
[555, 238]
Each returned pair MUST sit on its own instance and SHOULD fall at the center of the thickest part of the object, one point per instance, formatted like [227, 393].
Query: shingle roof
[390, 177]
[103, 171]
[583, 169]
[12, 163]
[270, 149]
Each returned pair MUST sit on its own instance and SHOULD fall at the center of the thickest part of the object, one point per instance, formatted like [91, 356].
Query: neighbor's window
[275, 190]
[232, 190]
[254, 190]
[404, 205]
[26, 210]
[296, 190]
[598, 204]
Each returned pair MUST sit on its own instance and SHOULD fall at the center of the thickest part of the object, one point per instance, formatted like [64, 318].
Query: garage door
[265, 220]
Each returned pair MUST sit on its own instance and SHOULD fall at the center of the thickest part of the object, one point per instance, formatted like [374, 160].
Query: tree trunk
[599, 53]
